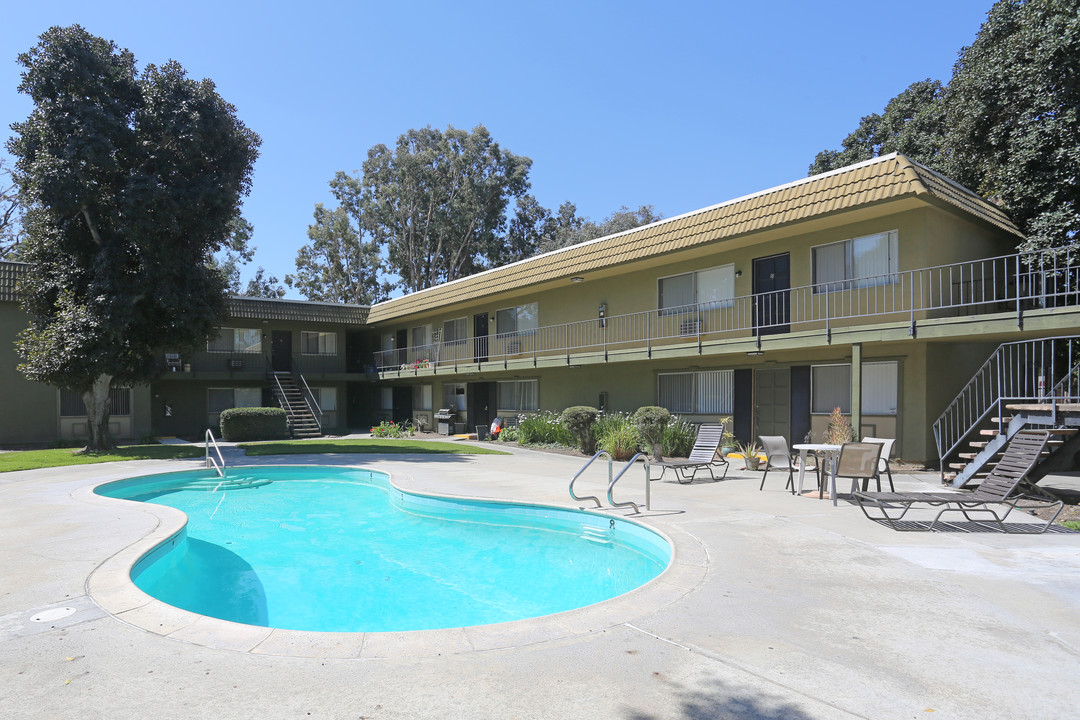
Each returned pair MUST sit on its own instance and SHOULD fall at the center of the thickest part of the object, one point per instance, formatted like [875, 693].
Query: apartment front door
[281, 350]
[772, 402]
[772, 299]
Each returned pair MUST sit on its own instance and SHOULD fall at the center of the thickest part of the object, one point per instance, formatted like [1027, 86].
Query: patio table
[823, 451]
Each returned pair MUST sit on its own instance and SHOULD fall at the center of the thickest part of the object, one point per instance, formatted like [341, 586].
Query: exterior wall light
[577, 278]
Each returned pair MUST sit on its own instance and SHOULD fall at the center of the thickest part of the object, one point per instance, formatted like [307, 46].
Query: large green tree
[1007, 125]
[437, 202]
[339, 264]
[130, 181]
[1013, 116]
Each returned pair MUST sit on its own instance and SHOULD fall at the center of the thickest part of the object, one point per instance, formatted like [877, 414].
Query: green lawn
[381, 446]
[58, 457]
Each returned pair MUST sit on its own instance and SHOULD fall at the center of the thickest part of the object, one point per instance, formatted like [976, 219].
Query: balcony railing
[233, 363]
[1009, 283]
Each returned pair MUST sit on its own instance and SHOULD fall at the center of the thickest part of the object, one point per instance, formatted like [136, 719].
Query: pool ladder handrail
[219, 463]
[585, 467]
[629, 503]
[612, 479]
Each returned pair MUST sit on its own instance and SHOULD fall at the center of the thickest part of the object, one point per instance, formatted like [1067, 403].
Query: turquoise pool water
[340, 549]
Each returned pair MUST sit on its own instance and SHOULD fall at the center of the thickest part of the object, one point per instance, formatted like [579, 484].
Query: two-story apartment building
[878, 288]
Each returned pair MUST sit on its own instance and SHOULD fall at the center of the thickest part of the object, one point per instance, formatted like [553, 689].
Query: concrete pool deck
[776, 607]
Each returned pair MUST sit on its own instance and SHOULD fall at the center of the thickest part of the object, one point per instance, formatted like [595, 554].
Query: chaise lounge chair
[704, 455]
[996, 491]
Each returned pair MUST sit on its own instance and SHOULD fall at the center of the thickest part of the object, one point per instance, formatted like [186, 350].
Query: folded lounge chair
[997, 490]
[704, 455]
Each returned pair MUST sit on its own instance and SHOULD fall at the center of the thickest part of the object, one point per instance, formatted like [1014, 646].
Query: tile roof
[887, 178]
[249, 308]
[9, 273]
[240, 308]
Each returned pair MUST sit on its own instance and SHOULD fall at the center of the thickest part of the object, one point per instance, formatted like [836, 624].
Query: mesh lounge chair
[998, 489]
[704, 455]
[883, 463]
[778, 457]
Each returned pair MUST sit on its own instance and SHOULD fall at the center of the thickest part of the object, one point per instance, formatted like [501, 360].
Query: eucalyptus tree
[130, 182]
[437, 201]
[339, 264]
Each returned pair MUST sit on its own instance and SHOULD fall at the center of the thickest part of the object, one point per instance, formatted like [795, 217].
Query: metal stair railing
[309, 398]
[1016, 373]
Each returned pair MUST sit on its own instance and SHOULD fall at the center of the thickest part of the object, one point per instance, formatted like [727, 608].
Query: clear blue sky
[679, 105]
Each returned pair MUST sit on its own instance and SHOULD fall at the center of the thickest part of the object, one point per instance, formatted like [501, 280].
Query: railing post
[828, 325]
[648, 332]
[567, 342]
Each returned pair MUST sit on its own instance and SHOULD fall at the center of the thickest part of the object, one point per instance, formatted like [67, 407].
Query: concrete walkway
[776, 607]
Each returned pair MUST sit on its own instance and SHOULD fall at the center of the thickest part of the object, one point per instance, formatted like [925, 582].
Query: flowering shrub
[617, 434]
[679, 438]
[545, 429]
[391, 430]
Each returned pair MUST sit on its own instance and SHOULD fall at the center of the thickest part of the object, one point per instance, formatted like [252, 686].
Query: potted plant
[749, 451]
[727, 443]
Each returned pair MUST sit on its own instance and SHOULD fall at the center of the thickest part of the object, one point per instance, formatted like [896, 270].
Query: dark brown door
[772, 299]
[281, 350]
[480, 337]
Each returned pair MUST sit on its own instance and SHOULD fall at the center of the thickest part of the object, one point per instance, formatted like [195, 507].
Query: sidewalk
[797, 609]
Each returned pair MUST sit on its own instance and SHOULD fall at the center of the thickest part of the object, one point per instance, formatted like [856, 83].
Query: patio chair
[859, 461]
[778, 456]
[998, 489]
[883, 463]
[705, 454]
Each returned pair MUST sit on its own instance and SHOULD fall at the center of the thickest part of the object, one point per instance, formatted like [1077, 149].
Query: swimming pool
[342, 549]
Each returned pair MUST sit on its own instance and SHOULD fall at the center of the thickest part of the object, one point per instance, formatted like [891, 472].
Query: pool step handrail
[627, 466]
[219, 463]
[583, 468]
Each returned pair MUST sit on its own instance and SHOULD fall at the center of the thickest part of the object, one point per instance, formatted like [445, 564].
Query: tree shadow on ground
[721, 701]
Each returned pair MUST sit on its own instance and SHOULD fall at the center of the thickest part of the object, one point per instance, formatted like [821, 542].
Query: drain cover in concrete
[53, 614]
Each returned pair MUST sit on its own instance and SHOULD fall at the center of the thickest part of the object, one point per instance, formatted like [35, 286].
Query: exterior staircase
[302, 420]
[1029, 384]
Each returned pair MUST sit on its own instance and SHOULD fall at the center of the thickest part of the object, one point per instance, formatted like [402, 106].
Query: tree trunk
[96, 400]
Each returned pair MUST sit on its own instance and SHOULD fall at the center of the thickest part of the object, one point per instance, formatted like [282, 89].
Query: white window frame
[851, 278]
[870, 371]
[424, 336]
[452, 325]
[424, 392]
[454, 396]
[120, 405]
[521, 396]
[250, 392]
[240, 343]
[325, 341]
[322, 394]
[529, 312]
[725, 292]
[704, 385]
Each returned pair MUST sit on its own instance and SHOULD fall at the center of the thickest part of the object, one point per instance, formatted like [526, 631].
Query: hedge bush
[253, 423]
[580, 420]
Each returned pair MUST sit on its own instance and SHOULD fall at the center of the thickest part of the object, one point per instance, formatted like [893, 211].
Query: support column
[856, 389]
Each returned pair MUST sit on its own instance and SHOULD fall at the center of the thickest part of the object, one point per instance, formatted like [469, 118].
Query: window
[71, 403]
[454, 396]
[326, 397]
[830, 387]
[421, 397]
[455, 331]
[236, 340]
[712, 288]
[218, 399]
[519, 395]
[318, 343]
[708, 392]
[521, 319]
[388, 341]
[420, 336]
[857, 263]
[387, 398]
